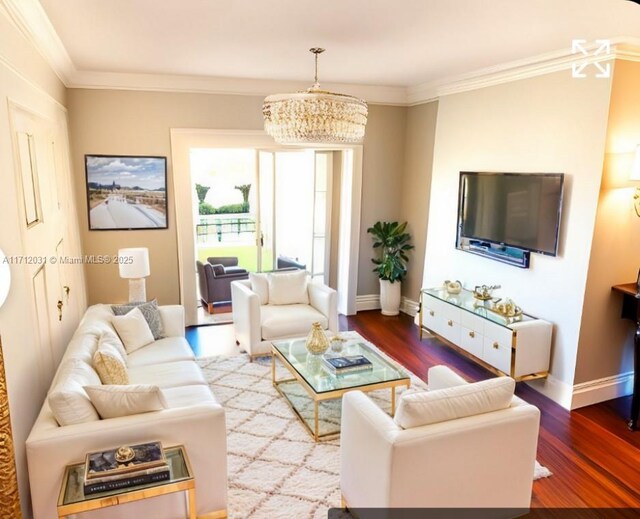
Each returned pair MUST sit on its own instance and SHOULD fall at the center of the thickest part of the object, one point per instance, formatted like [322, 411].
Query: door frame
[183, 139]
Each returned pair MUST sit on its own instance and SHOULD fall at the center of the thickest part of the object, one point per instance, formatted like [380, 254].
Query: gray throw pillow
[150, 312]
[218, 270]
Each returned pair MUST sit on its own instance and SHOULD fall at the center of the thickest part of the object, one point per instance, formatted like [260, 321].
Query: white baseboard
[557, 390]
[595, 391]
[368, 302]
[372, 302]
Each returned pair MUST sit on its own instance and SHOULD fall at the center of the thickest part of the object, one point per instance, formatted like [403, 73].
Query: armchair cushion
[288, 288]
[428, 407]
[281, 321]
[218, 270]
[260, 285]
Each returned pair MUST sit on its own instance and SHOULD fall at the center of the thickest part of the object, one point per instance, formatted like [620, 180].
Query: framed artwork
[126, 192]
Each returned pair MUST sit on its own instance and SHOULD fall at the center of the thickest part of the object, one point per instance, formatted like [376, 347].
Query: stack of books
[103, 472]
[350, 364]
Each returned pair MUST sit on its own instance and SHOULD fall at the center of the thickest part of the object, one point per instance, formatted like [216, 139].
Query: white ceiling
[397, 43]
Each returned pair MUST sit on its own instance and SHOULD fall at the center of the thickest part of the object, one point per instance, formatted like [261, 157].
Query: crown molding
[32, 21]
[625, 48]
[387, 95]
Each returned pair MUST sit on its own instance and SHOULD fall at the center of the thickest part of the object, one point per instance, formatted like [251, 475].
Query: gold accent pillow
[110, 365]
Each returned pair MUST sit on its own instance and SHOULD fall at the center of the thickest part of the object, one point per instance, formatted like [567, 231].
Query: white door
[37, 145]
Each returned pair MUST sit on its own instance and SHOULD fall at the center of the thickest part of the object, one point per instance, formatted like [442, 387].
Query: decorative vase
[317, 342]
[337, 343]
[390, 297]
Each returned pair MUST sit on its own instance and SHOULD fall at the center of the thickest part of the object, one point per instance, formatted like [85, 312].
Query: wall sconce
[133, 264]
[635, 175]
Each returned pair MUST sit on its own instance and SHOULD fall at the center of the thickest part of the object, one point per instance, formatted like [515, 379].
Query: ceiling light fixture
[315, 115]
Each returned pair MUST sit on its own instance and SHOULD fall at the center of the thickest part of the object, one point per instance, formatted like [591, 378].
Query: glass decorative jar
[317, 342]
[337, 343]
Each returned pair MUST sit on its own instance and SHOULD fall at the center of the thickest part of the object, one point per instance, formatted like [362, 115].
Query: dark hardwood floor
[594, 458]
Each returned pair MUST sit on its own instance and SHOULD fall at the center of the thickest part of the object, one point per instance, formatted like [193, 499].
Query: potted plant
[392, 241]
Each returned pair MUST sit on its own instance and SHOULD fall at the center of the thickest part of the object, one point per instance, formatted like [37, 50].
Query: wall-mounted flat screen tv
[511, 209]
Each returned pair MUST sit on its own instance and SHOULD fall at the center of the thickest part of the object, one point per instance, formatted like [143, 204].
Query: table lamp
[635, 175]
[133, 265]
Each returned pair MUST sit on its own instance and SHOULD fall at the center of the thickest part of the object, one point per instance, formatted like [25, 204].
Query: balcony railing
[217, 228]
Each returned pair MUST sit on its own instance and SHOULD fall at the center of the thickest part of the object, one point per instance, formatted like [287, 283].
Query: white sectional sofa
[192, 418]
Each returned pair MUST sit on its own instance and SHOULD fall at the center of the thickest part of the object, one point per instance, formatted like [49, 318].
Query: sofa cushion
[133, 330]
[282, 321]
[110, 365]
[167, 374]
[114, 401]
[288, 288]
[110, 338]
[260, 285]
[427, 407]
[150, 312]
[67, 399]
[169, 349]
[186, 396]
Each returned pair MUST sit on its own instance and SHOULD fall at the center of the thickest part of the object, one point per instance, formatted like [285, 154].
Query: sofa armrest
[325, 300]
[200, 428]
[442, 377]
[246, 315]
[366, 442]
[173, 320]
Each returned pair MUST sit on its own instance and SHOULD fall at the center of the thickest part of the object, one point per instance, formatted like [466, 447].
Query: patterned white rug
[276, 470]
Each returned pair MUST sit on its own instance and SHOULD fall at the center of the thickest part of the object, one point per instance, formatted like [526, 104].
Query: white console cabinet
[519, 348]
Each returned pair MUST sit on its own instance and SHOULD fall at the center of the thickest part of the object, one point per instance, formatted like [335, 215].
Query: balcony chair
[469, 446]
[215, 281]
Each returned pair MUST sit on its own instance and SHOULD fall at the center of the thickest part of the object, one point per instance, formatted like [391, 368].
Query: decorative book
[105, 464]
[126, 481]
[347, 364]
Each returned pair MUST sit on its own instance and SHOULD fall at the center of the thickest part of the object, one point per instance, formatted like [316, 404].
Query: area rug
[276, 470]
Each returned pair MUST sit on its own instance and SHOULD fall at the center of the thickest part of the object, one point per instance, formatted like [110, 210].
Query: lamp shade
[635, 169]
[5, 278]
[133, 263]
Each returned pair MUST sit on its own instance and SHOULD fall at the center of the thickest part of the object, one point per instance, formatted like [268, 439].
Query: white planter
[390, 297]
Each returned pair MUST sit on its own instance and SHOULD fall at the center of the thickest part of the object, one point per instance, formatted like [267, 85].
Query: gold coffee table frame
[328, 395]
[182, 483]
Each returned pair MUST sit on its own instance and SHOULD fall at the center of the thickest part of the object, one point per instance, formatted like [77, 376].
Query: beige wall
[606, 342]
[26, 80]
[551, 123]
[383, 167]
[138, 123]
[416, 187]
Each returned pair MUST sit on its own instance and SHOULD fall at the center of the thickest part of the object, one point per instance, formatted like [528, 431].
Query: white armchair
[484, 460]
[257, 323]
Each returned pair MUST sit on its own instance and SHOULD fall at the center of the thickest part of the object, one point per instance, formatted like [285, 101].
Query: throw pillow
[427, 407]
[67, 399]
[111, 339]
[288, 288]
[115, 401]
[260, 285]
[151, 314]
[110, 365]
[218, 270]
[133, 330]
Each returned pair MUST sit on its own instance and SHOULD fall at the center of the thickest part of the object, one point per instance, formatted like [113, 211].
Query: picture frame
[126, 192]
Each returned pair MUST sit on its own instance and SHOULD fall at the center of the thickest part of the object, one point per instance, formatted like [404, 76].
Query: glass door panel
[266, 174]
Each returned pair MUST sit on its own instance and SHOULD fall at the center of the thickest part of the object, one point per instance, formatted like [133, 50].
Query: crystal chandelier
[315, 115]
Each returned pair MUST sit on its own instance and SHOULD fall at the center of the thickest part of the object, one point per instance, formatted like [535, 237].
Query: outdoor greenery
[244, 189]
[202, 193]
[392, 242]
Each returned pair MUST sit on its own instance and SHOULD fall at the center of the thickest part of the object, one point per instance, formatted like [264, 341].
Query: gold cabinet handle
[472, 334]
[450, 322]
[66, 291]
[495, 345]
[432, 313]
[59, 306]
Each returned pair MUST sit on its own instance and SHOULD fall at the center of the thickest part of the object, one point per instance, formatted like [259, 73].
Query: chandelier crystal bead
[315, 115]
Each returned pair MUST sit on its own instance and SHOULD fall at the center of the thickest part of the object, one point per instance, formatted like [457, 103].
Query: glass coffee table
[313, 383]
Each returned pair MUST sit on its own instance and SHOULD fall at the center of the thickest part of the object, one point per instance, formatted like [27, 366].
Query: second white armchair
[275, 306]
